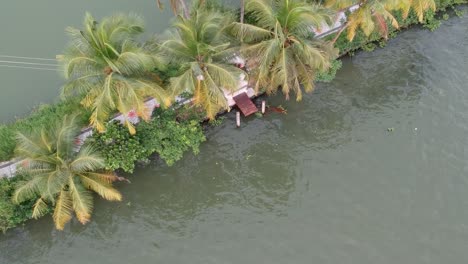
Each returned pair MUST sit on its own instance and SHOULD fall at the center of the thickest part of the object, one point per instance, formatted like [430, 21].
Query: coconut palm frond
[224, 76]
[372, 16]
[151, 88]
[28, 147]
[286, 56]
[63, 133]
[40, 208]
[200, 46]
[183, 82]
[82, 200]
[100, 58]
[421, 6]
[108, 177]
[249, 33]
[63, 210]
[208, 96]
[262, 12]
[100, 187]
[26, 191]
[316, 15]
[87, 160]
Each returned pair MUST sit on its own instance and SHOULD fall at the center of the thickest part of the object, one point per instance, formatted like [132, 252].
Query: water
[326, 183]
[37, 29]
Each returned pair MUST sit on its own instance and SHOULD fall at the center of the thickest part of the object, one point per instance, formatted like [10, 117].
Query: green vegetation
[374, 15]
[163, 135]
[279, 48]
[40, 117]
[329, 75]
[60, 177]
[201, 48]
[106, 66]
[361, 40]
[12, 214]
[108, 69]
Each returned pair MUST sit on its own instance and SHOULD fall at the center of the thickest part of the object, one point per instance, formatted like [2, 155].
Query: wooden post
[263, 107]
[238, 119]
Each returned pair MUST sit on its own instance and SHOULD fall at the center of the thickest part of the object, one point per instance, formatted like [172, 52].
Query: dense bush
[120, 149]
[163, 135]
[43, 115]
[330, 74]
[12, 214]
[170, 138]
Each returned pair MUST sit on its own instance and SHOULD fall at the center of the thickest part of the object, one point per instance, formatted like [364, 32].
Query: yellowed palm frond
[209, 102]
[100, 187]
[97, 123]
[82, 201]
[131, 128]
[392, 20]
[353, 24]
[197, 95]
[421, 6]
[26, 191]
[103, 177]
[63, 210]
[366, 22]
[39, 209]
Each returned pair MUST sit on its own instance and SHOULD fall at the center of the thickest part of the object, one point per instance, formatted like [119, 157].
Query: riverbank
[48, 113]
[326, 182]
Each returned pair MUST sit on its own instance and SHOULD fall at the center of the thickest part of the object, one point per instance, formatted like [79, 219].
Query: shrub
[120, 149]
[12, 214]
[163, 135]
[330, 74]
[170, 138]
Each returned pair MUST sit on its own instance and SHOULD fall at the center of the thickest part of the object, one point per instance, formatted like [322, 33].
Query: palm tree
[61, 177]
[105, 64]
[281, 46]
[242, 11]
[176, 6]
[201, 49]
[373, 15]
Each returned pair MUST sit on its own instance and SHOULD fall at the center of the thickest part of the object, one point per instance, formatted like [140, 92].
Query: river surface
[326, 183]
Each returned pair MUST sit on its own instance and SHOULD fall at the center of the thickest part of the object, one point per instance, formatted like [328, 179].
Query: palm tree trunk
[185, 8]
[242, 11]
[339, 33]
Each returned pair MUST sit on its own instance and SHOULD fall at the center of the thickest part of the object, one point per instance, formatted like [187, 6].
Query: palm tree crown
[373, 15]
[106, 66]
[200, 47]
[281, 46]
[61, 177]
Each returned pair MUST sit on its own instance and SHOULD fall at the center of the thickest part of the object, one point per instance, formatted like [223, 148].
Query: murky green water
[327, 183]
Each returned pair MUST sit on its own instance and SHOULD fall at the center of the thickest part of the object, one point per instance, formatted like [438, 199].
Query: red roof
[244, 103]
